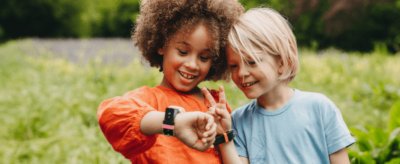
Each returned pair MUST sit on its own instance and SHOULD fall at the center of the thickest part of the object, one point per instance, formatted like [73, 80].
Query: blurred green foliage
[318, 24]
[65, 18]
[44, 18]
[48, 104]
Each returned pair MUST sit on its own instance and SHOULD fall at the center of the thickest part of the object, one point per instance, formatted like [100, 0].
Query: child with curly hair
[282, 124]
[186, 40]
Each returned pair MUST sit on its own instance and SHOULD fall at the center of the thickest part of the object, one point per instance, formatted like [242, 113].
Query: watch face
[170, 114]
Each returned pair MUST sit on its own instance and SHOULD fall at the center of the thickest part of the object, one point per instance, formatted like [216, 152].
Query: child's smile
[248, 84]
[187, 75]
[187, 59]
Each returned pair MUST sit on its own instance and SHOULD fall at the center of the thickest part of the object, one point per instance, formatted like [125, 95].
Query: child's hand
[195, 129]
[219, 110]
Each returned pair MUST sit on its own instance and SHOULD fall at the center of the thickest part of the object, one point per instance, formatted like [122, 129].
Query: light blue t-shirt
[305, 130]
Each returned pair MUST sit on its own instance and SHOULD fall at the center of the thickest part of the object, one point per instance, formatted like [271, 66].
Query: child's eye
[252, 63]
[204, 58]
[232, 66]
[183, 52]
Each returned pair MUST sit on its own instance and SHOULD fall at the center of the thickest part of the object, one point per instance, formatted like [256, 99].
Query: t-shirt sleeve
[239, 139]
[337, 134]
[119, 121]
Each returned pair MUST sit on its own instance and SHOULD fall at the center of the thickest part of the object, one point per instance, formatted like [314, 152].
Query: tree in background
[359, 25]
[116, 18]
[65, 18]
[42, 18]
[347, 24]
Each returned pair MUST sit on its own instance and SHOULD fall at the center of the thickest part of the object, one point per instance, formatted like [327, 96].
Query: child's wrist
[226, 137]
[224, 130]
[168, 125]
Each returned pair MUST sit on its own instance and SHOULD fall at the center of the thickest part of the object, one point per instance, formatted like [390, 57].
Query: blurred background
[351, 25]
[59, 59]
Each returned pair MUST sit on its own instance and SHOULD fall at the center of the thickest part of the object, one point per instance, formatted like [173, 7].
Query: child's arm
[196, 129]
[339, 157]
[230, 155]
[224, 122]
[120, 121]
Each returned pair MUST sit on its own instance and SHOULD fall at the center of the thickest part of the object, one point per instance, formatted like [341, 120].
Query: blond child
[186, 41]
[282, 124]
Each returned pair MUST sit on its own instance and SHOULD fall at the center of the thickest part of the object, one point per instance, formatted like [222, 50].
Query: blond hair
[265, 30]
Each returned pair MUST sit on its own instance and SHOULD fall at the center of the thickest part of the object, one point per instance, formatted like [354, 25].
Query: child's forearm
[194, 129]
[151, 123]
[340, 157]
[229, 153]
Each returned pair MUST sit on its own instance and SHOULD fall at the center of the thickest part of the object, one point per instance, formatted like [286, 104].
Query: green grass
[48, 105]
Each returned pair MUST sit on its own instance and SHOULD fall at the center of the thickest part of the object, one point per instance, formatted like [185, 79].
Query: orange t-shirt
[120, 117]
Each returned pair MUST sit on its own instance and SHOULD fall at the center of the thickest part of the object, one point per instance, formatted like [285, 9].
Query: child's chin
[184, 88]
[250, 96]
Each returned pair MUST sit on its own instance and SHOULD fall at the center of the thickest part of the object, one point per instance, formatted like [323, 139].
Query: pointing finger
[222, 98]
[208, 96]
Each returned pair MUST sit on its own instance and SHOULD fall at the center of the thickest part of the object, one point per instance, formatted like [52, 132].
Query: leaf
[394, 119]
[394, 134]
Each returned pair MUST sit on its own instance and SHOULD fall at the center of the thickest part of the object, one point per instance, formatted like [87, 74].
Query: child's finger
[204, 140]
[208, 144]
[222, 113]
[210, 121]
[201, 124]
[208, 96]
[211, 110]
[222, 98]
[210, 134]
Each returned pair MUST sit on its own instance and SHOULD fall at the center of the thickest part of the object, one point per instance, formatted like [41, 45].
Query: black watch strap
[168, 123]
[224, 138]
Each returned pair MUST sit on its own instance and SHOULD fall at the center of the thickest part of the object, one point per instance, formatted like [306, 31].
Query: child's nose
[243, 72]
[191, 62]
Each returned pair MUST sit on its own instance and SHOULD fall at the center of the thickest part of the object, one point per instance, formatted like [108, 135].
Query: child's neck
[193, 92]
[275, 99]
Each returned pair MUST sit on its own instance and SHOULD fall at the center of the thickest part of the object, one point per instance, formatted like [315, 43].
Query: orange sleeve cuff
[120, 123]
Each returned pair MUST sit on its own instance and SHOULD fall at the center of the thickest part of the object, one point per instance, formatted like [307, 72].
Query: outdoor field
[50, 90]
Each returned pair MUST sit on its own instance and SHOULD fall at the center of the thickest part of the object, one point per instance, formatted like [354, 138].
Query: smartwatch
[168, 123]
[224, 138]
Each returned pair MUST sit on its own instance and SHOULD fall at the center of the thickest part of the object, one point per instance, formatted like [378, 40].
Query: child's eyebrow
[255, 55]
[244, 55]
[187, 44]
[183, 42]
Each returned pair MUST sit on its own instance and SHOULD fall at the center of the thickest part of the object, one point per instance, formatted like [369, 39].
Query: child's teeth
[187, 76]
[248, 84]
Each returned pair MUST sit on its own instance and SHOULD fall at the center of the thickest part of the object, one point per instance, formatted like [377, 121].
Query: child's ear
[280, 70]
[280, 66]
[161, 51]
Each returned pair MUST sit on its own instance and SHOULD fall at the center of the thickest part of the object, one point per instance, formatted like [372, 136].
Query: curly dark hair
[161, 19]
